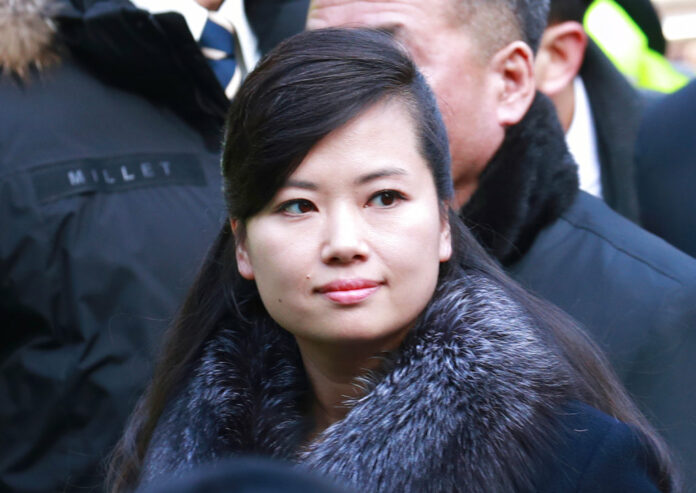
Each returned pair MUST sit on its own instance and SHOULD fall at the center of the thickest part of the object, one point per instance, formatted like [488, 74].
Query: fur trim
[468, 402]
[27, 33]
[528, 184]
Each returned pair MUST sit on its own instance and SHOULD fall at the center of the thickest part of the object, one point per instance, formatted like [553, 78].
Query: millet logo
[116, 174]
[144, 170]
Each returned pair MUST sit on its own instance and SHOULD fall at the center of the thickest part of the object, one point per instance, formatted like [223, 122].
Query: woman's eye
[297, 207]
[385, 198]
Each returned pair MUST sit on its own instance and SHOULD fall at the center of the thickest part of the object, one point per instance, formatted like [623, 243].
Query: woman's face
[350, 246]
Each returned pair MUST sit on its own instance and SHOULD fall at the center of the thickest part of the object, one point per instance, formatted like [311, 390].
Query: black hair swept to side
[310, 85]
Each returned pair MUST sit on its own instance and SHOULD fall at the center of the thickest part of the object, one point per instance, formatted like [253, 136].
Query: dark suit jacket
[666, 169]
[616, 109]
[245, 474]
[599, 454]
[636, 296]
[275, 20]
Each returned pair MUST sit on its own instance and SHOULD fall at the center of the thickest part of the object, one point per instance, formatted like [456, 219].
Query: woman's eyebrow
[307, 185]
[381, 173]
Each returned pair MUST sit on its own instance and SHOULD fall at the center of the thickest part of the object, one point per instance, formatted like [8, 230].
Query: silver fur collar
[467, 404]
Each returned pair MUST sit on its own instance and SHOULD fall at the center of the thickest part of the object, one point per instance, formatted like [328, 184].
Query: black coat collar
[468, 402]
[531, 180]
[617, 109]
[109, 37]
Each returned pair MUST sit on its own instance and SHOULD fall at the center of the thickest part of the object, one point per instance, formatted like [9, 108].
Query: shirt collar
[582, 142]
[196, 15]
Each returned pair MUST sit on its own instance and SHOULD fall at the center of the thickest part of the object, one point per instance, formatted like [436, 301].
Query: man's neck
[463, 192]
[527, 184]
[564, 101]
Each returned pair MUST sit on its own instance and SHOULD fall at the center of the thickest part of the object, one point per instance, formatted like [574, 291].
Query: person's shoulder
[597, 452]
[665, 141]
[615, 278]
[671, 107]
[591, 220]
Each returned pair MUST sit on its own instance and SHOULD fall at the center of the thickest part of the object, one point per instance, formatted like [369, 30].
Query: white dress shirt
[582, 142]
[196, 15]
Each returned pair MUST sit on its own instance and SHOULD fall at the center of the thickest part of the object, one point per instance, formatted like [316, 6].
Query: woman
[346, 320]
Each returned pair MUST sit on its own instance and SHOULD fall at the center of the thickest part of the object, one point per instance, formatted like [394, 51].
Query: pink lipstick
[349, 291]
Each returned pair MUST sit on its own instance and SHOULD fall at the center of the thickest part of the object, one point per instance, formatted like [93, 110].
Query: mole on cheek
[279, 300]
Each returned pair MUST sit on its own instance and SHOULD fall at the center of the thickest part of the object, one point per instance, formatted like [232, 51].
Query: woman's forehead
[382, 140]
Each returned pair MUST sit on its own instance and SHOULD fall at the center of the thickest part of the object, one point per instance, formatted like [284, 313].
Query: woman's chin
[359, 335]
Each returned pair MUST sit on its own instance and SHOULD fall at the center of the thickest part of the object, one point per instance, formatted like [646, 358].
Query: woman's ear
[445, 240]
[244, 266]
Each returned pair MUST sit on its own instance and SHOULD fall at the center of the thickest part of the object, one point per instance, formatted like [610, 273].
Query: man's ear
[244, 266]
[513, 68]
[560, 57]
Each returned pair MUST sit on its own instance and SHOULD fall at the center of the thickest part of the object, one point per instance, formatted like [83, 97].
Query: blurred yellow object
[622, 40]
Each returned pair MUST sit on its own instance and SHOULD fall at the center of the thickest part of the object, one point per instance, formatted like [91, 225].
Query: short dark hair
[568, 10]
[499, 22]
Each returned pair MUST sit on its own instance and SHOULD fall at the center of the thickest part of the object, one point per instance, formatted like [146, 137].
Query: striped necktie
[218, 43]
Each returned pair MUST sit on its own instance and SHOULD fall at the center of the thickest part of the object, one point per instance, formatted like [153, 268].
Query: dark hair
[313, 84]
[568, 10]
[305, 88]
[531, 15]
[499, 22]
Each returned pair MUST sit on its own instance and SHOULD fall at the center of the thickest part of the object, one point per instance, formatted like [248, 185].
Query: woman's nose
[344, 241]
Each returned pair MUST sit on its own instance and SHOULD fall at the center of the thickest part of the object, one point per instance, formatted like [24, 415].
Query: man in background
[516, 187]
[599, 109]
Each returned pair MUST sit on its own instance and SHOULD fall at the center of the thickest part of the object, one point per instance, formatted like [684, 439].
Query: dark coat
[666, 169]
[243, 475]
[474, 401]
[617, 108]
[275, 20]
[631, 291]
[109, 198]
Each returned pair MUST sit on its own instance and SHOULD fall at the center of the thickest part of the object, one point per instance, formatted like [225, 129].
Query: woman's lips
[349, 291]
